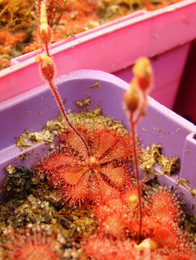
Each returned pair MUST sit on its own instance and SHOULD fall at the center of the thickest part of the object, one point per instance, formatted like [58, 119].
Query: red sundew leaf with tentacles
[166, 205]
[104, 248]
[80, 176]
[34, 243]
[111, 217]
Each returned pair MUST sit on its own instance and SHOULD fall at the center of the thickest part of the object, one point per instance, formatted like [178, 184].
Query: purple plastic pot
[163, 35]
[31, 110]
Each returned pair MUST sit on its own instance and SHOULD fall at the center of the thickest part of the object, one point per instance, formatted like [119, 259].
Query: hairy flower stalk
[136, 99]
[47, 66]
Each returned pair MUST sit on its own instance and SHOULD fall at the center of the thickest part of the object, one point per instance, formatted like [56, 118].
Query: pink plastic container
[164, 35]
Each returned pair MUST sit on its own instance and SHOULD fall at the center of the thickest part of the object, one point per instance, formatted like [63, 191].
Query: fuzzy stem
[133, 129]
[61, 106]
[47, 50]
[136, 120]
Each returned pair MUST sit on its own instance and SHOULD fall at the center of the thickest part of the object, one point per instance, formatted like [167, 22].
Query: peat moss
[54, 127]
[153, 156]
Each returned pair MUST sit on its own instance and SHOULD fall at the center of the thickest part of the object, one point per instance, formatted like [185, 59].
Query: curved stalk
[62, 109]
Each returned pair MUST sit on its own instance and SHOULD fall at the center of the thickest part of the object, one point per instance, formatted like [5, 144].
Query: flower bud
[45, 33]
[143, 73]
[44, 30]
[47, 67]
[132, 98]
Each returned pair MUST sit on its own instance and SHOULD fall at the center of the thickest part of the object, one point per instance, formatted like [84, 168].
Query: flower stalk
[47, 66]
[135, 99]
